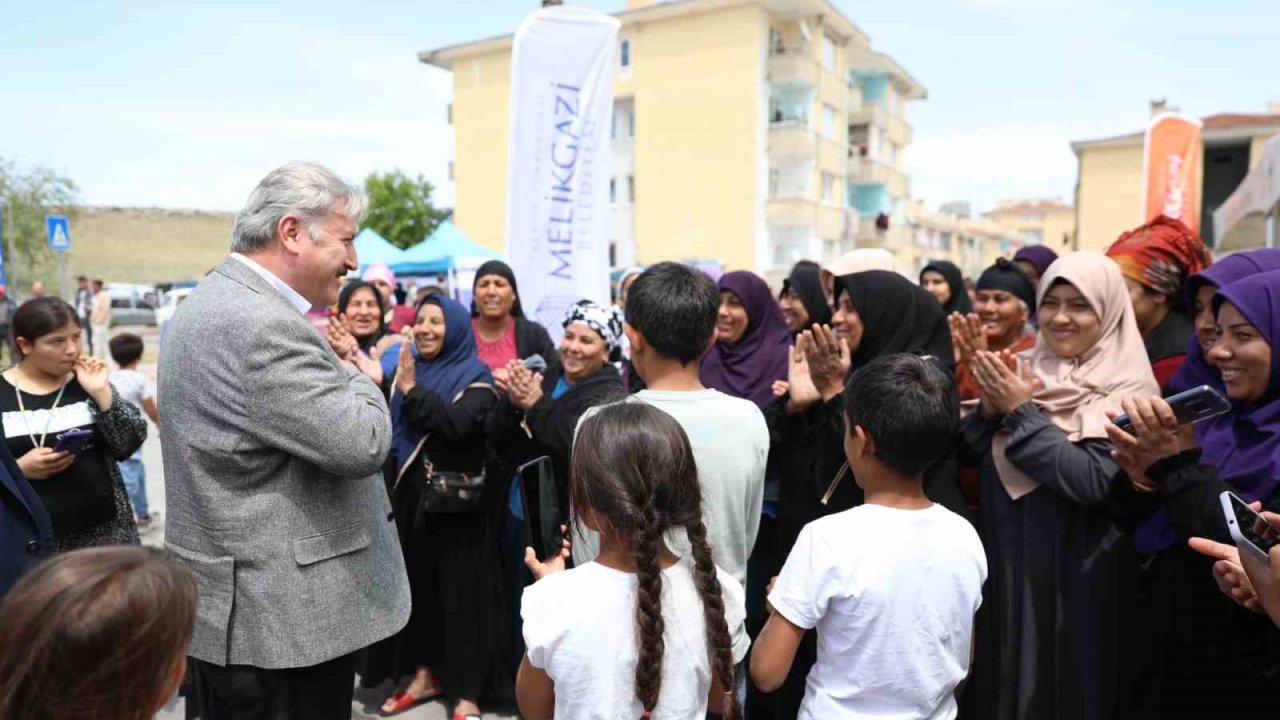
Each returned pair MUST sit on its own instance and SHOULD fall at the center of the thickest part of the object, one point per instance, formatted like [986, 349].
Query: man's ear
[634, 338]
[289, 230]
[865, 443]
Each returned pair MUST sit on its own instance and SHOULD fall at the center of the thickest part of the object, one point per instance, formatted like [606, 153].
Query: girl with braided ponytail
[638, 632]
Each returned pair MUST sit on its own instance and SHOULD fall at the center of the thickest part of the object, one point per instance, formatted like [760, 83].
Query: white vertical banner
[559, 159]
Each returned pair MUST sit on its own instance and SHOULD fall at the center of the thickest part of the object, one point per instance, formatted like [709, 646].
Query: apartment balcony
[827, 221]
[866, 171]
[793, 68]
[875, 113]
[791, 141]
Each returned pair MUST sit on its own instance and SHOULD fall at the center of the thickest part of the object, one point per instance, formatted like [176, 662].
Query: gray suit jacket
[273, 453]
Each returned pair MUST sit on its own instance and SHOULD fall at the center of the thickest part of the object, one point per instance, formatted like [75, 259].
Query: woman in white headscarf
[1048, 631]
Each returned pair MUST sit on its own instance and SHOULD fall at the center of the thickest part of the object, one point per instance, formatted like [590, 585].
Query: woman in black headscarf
[502, 331]
[876, 313]
[945, 282]
[803, 301]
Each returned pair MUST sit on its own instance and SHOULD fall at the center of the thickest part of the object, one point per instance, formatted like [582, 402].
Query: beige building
[1038, 221]
[1109, 185]
[972, 244]
[753, 132]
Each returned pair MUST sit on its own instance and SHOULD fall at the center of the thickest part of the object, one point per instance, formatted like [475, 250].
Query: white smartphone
[1251, 532]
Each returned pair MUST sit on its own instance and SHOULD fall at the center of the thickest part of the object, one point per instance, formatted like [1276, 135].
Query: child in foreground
[638, 632]
[892, 585]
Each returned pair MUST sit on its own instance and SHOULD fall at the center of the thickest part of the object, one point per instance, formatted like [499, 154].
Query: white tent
[1248, 218]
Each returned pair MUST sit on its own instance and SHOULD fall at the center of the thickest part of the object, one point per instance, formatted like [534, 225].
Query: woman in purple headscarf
[1034, 260]
[1197, 371]
[1188, 634]
[752, 340]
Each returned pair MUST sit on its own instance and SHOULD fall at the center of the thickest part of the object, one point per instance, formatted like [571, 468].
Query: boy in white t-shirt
[891, 586]
[138, 390]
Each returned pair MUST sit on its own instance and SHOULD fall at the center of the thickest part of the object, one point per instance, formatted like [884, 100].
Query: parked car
[131, 308]
[172, 299]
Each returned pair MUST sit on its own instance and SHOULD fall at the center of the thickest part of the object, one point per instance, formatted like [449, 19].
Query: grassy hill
[140, 245]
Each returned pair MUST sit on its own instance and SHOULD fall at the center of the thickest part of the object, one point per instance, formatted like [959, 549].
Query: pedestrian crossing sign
[59, 232]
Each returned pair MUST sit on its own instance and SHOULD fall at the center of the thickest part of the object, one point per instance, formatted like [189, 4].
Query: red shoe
[403, 701]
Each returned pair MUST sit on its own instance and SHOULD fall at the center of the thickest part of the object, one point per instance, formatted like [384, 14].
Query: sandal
[403, 701]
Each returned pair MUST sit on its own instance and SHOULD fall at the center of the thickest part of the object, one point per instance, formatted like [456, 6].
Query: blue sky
[149, 103]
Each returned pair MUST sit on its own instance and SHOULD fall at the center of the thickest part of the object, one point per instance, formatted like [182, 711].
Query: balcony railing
[791, 141]
[875, 113]
[793, 69]
[827, 221]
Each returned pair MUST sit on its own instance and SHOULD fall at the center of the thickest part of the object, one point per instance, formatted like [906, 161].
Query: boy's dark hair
[633, 468]
[674, 307]
[126, 349]
[908, 406]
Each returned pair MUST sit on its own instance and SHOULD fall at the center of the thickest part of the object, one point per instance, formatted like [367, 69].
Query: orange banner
[1172, 159]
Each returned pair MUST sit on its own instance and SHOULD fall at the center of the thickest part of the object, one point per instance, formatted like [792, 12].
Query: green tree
[29, 195]
[400, 208]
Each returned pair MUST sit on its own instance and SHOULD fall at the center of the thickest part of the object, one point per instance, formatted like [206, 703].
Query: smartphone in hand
[74, 441]
[1191, 406]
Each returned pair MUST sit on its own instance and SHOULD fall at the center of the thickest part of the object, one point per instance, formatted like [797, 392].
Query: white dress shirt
[296, 300]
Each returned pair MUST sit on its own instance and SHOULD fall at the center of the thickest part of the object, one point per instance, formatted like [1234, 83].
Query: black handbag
[444, 492]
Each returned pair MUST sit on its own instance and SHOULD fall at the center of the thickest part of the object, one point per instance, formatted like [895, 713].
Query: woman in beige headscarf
[854, 261]
[1050, 621]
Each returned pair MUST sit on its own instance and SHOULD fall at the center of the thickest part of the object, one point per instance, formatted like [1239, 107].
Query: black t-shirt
[81, 496]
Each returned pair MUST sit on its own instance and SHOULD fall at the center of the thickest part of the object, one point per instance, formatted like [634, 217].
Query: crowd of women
[1096, 605]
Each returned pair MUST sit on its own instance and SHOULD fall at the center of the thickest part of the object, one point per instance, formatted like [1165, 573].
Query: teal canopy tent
[440, 252]
[373, 248]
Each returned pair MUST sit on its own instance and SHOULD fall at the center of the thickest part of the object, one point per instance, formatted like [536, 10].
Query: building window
[775, 41]
[828, 188]
[829, 122]
[449, 114]
[613, 125]
[828, 53]
[631, 188]
[450, 169]
[775, 178]
[613, 190]
[624, 53]
[631, 123]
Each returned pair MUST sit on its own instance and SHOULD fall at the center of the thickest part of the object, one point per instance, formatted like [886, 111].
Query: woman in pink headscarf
[398, 316]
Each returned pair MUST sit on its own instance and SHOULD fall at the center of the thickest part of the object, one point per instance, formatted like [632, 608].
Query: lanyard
[27, 421]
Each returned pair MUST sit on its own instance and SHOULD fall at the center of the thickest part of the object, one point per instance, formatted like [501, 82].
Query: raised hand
[94, 377]
[551, 565]
[829, 360]
[340, 338]
[799, 382]
[406, 370]
[967, 336]
[1004, 389]
[1158, 436]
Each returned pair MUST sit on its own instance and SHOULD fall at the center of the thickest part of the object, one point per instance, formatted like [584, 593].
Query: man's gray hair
[303, 188]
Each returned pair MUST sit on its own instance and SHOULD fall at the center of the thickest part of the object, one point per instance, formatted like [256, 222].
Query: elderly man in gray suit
[273, 449]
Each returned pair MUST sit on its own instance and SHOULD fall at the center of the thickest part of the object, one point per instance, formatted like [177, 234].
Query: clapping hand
[1004, 389]
[829, 360]
[967, 336]
[799, 382]
[551, 565]
[406, 370]
[1159, 435]
[340, 338]
[94, 377]
[524, 387]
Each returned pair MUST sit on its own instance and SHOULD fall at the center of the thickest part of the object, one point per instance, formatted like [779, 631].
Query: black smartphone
[1190, 406]
[542, 519]
[74, 441]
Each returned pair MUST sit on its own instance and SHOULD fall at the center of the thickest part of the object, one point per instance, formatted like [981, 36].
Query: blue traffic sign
[59, 232]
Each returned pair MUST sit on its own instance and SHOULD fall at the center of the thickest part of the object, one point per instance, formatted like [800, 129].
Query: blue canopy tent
[373, 248]
[440, 252]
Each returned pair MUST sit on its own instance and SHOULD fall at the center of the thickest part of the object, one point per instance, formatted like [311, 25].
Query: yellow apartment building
[973, 244]
[753, 132]
[1109, 184]
[1038, 221]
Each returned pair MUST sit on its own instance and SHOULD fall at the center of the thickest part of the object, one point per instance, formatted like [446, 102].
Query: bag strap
[417, 450]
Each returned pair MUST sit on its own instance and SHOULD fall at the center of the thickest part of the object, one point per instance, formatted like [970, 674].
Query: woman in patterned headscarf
[1156, 260]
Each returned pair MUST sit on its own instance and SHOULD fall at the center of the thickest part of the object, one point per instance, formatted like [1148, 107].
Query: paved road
[366, 701]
